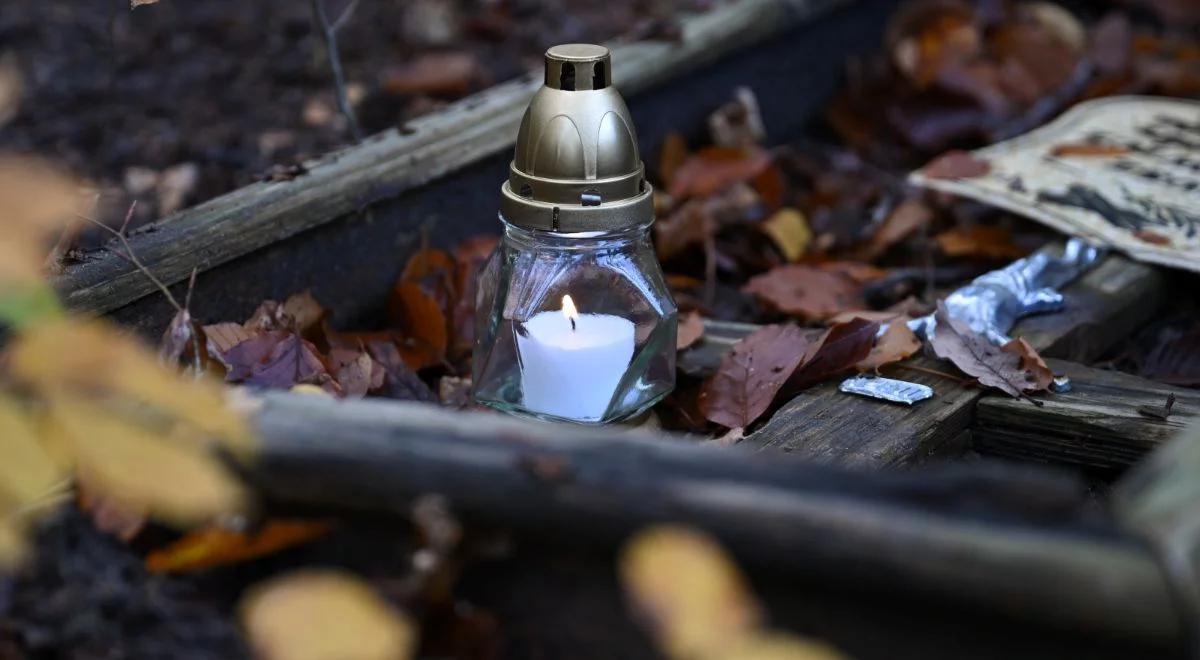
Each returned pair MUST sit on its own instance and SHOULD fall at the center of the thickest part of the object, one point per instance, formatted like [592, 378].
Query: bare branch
[329, 34]
[131, 257]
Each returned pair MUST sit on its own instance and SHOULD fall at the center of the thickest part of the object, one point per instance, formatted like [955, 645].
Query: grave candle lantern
[574, 321]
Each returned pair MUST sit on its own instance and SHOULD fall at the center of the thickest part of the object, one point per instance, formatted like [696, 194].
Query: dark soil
[229, 89]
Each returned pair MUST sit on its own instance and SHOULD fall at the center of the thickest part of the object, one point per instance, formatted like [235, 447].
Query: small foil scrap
[887, 389]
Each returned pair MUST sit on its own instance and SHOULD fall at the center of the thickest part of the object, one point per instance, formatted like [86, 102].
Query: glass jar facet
[613, 359]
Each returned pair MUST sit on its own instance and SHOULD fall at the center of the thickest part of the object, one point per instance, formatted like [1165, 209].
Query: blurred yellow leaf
[12, 544]
[695, 598]
[27, 472]
[324, 615]
[776, 646]
[90, 360]
[35, 200]
[118, 454]
[789, 230]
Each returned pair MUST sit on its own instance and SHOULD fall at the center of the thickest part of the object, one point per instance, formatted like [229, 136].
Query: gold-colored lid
[576, 166]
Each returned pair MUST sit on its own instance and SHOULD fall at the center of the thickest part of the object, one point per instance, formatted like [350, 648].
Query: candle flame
[569, 311]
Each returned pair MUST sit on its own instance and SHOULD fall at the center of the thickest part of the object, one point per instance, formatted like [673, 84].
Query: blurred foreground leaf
[324, 615]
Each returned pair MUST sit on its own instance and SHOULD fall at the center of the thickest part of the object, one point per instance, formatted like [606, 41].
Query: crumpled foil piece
[888, 389]
[992, 303]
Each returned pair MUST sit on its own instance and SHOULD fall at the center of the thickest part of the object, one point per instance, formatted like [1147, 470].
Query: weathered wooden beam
[990, 536]
[825, 425]
[389, 163]
[1095, 425]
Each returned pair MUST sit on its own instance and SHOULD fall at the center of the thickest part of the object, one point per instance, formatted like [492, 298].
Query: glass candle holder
[574, 321]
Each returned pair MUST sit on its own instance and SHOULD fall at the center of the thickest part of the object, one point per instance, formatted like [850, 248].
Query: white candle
[571, 363]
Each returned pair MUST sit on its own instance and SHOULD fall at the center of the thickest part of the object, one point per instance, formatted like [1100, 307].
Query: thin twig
[329, 35]
[130, 256]
[965, 382]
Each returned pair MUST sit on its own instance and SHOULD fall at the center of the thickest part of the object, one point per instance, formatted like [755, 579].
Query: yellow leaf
[695, 598]
[324, 615]
[35, 200]
[89, 359]
[179, 482]
[789, 230]
[27, 472]
[776, 646]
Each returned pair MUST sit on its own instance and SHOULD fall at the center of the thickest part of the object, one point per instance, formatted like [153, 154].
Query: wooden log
[397, 160]
[1096, 425]
[827, 426]
[986, 536]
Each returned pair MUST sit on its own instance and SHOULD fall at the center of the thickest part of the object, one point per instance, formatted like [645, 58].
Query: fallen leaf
[904, 220]
[435, 73]
[179, 337]
[420, 305]
[974, 355]
[221, 337]
[323, 615]
[36, 201]
[788, 229]
[454, 392]
[672, 156]
[695, 600]
[924, 38]
[897, 343]
[470, 257]
[1039, 377]
[807, 292]
[979, 242]
[713, 168]
[401, 382]
[738, 124]
[11, 84]
[1152, 237]
[956, 165]
[137, 467]
[841, 347]
[1112, 43]
[292, 360]
[89, 360]
[356, 372]
[216, 546]
[689, 331]
[751, 374]
[1088, 149]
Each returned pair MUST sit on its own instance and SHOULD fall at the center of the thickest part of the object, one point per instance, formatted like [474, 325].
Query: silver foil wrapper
[887, 389]
[992, 303]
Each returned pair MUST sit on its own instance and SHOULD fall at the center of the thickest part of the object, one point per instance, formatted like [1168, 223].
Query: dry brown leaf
[672, 156]
[1039, 376]
[356, 371]
[1088, 149]
[435, 73]
[696, 601]
[840, 348]
[216, 546]
[972, 353]
[221, 337]
[956, 165]
[908, 217]
[980, 242]
[897, 343]
[807, 292]
[752, 373]
[324, 615]
[689, 331]
[1152, 237]
[714, 168]
[788, 229]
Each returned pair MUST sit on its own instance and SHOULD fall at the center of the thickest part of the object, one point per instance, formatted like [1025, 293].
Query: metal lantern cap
[576, 166]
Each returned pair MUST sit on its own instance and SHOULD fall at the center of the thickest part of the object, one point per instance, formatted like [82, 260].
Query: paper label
[1121, 171]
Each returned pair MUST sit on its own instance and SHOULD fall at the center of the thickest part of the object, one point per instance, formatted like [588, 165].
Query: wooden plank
[389, 163]
[825, 425]
[1004, 540]
[1095, 425]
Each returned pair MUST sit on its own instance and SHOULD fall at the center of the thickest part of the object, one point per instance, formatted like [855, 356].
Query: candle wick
[572, 324]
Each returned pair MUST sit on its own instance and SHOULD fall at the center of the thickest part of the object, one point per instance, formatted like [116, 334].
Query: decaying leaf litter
[820, 242]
